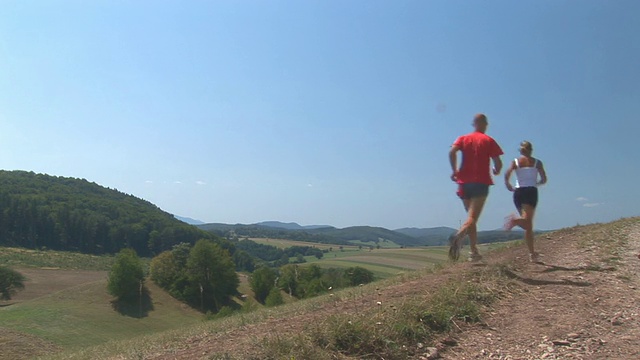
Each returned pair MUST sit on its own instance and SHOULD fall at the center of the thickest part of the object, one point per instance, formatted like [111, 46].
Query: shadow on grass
[539, 282]
[136, 307]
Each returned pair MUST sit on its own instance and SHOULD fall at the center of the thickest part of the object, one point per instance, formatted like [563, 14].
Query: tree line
[59, 213]
[304, 281]
[277, 256]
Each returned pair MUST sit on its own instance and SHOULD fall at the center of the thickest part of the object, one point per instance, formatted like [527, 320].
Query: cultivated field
[389, 262]
[384, 262]
[283, 243]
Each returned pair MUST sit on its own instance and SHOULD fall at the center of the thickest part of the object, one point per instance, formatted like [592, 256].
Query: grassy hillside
[82, 316]
[18, 257]
[399, 318]
[43, 211]
[65, 305]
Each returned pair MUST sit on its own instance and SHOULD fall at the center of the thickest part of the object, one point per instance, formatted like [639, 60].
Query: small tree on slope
[10, 282]
[126, 276]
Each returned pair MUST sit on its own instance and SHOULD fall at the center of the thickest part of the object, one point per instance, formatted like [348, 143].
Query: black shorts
[472, 190]
[525, 196]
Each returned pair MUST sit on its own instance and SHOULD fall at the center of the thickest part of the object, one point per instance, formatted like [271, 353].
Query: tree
[126, 276]
[300, 259]
[262, 281]
[274, 298]
[164, 270]
[10, 282]
[288, 280]
[243, 261]
[358, 275]
[211, 274]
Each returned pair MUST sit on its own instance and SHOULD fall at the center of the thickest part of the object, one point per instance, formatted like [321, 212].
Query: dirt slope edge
[583, 303]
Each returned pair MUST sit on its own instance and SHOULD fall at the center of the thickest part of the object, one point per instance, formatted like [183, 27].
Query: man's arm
[497, 165]
[453, 161]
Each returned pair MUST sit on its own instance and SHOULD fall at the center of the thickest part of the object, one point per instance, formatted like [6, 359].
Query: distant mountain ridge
[291, 225]
[189, 220]
[362, 235]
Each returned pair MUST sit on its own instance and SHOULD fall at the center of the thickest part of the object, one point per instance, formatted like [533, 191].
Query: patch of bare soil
[582, 303]
[41, 282]
[16, 345]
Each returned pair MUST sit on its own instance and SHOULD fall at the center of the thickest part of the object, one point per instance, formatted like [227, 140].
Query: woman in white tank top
[529, 175]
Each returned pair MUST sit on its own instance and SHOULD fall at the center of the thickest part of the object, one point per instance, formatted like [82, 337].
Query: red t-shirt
[477, 150]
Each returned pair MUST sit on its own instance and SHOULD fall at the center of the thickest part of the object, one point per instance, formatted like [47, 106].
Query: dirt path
[584, 303]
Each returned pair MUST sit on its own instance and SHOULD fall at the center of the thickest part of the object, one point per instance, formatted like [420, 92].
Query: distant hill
[366, 235]
[369, 234]
[427, 232]
[61, 213]
[440, 235]
[189, 220]
[261, 231]
[291, 225]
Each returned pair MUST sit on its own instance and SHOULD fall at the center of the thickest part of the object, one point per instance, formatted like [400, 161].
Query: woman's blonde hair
[526, 148]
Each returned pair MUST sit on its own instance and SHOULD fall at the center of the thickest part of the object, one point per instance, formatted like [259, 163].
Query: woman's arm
[543, 174]
[507, 176]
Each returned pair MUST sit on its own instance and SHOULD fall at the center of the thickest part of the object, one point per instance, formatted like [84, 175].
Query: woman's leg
[526, 222]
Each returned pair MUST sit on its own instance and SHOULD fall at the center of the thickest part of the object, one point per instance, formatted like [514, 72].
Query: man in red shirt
[473, 178]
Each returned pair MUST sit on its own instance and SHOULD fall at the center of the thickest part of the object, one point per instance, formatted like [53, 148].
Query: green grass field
[66, 304]
[82, 316]
[388, 262]
[383, 262]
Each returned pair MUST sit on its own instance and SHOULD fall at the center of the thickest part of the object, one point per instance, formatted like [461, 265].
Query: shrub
[274, 298]
[10, 282]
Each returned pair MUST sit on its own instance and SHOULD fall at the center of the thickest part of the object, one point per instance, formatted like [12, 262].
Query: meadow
[389, 260]
[65, 305]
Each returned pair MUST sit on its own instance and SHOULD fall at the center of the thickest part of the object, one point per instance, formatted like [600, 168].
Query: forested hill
[60, 213]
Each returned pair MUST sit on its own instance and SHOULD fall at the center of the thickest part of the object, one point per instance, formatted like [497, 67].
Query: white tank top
[527, 176]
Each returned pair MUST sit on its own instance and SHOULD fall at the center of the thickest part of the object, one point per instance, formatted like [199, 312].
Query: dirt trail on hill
[583, 302]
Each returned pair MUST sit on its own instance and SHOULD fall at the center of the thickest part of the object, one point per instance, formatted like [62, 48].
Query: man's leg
[474, 209]
[472, 232]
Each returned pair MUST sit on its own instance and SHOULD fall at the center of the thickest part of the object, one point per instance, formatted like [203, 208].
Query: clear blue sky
[324, 112]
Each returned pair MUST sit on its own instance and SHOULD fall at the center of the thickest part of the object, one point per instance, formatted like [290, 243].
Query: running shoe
[455, 244]
[535, 258]
[475, 257]
[510, 222]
